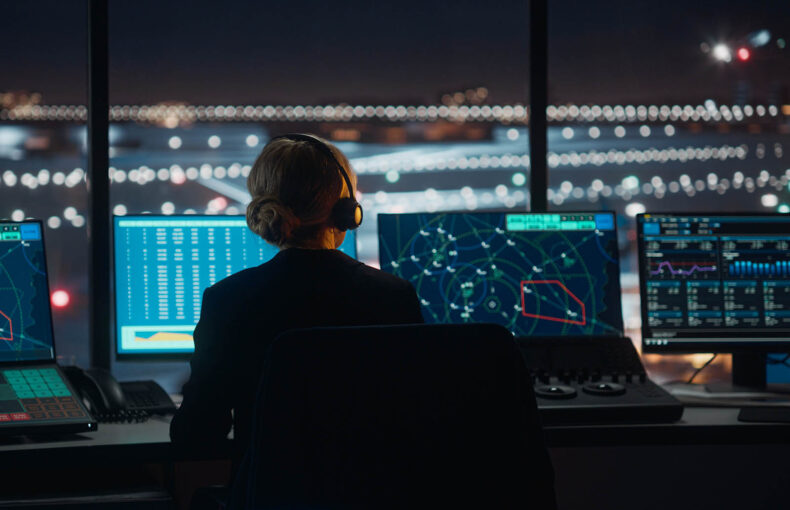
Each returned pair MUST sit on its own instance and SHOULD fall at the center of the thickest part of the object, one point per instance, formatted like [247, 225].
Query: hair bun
[268, 217]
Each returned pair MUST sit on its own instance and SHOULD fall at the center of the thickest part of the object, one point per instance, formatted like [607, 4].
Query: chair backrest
[388, 416]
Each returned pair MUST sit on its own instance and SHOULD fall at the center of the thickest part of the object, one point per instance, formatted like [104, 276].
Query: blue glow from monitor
[25, 316]
[162, 266]
[535, 274]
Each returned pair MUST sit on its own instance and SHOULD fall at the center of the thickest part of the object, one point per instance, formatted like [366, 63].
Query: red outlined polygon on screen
[547, 317]
[9, 338]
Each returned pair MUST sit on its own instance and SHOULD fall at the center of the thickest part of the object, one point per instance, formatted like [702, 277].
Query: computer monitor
[162, 266]
[535, 274]
[717, 282]
[25, 314]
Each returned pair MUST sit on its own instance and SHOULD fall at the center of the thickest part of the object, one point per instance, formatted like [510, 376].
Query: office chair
[395, 417]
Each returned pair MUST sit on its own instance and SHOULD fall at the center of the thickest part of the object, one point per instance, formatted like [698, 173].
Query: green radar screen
[25, 322]
[535, 274]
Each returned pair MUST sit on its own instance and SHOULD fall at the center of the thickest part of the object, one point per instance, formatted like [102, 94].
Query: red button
[5, 417]
[20, 416]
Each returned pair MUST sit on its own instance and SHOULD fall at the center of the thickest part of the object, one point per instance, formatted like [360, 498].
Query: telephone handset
[109, 400]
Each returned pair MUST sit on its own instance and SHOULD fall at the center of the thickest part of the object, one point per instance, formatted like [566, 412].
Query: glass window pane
[667, 106]
[42, 147]
[428, 100]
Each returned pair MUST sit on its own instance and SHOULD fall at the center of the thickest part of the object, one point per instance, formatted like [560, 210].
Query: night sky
[411, 51]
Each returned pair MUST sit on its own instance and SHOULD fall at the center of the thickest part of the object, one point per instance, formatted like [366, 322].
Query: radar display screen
[25, 316]
[535, 274]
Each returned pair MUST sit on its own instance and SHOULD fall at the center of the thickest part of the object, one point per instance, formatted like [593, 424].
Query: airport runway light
[635, 208]
[60, 299]
[722, 53]
[769, 200]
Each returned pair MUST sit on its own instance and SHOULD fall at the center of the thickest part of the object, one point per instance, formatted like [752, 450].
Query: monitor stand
[748, 376]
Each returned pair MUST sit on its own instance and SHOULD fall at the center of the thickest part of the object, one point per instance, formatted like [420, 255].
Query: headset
[347, 212]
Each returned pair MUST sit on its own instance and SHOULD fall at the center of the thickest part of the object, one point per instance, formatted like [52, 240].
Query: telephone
[108, 400]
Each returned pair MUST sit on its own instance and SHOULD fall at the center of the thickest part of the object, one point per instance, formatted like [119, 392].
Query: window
[640, 121]
[427, 99]
[42, 148]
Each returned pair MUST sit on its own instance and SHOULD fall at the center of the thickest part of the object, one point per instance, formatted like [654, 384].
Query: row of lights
[392, 168]
[630, 156]
[175, 142]
[214, 141]
[42, 178]
[173, 115]
[655, 113]
[631, 187]
[627, 189]
[595, 132]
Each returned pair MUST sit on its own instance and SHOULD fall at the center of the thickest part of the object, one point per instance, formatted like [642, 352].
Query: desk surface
[150, 442]
[698, 425]
[112, 442]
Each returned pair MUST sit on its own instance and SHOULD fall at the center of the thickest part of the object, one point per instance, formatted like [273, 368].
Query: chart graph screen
[536, 274]
[718, 279]
[25, 317]
[162, 266]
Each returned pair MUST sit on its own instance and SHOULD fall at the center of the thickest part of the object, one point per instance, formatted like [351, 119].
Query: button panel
[36, 394]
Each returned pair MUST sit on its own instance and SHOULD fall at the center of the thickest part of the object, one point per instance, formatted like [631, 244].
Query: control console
[585, 380]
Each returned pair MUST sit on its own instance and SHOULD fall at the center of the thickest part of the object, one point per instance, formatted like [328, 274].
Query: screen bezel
[163, 356]
[512, 211]
[714, 344]
[54, 356]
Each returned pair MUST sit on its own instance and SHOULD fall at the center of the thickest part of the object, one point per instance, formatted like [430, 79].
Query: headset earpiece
[347, 214]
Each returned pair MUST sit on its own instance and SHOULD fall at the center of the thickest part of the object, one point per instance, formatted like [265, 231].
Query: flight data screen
[25, 318]
[714, 279]
[164, 263]
[536, 274]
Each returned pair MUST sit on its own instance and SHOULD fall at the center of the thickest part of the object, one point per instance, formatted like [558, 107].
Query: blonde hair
[293, 188]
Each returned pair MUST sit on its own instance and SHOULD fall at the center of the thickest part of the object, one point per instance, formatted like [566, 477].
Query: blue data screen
[714, 279]
[25, 318]
[536, 274]
[164, 263]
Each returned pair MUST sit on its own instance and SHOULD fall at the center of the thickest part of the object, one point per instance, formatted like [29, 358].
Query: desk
[697, 426]
[112, 443]
[118, 458]
[150, 441]
[707, 460]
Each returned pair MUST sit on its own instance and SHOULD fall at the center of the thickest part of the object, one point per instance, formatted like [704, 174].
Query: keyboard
[147, 396]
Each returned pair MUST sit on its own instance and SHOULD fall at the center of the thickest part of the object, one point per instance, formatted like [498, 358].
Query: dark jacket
[243, 314]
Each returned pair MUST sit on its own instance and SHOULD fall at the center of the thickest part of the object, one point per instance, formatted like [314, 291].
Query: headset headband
[325, 150]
